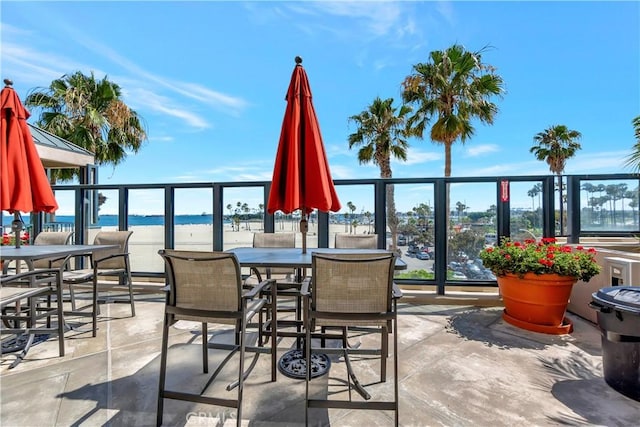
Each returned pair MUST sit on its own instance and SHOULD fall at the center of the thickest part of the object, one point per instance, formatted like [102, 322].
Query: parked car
[402, 240]
[423, 255]
[413, 249]
[456, 275]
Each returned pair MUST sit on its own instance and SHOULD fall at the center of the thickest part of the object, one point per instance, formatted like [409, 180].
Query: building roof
[58, 153]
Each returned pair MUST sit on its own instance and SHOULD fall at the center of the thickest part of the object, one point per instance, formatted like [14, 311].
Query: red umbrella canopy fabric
[301, 175]
[24, 183]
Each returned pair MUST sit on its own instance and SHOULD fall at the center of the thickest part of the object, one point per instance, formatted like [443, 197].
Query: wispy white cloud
[416, 156]
[364, 24]
[593, 162]
[215, 99]
[380, 18]
[154, 87]
[445, 9]
[165, 138]
[479, 150]
[162, 104]
[29, 66]
[342, 172]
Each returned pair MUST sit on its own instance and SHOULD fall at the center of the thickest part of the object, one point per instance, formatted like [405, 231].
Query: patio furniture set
[348, 289]
[52, 266]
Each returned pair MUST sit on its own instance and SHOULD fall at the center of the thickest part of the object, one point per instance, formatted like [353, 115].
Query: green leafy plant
[540, 257]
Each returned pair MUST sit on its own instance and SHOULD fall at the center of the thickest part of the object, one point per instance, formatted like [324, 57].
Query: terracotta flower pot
[537, 302]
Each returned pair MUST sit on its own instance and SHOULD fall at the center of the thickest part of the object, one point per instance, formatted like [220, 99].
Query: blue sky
[209, 77]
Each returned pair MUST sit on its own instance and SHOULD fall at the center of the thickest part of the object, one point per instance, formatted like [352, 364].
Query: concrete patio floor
[460, 365]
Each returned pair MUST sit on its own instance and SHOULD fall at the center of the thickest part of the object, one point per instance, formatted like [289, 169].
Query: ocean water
[112, 220]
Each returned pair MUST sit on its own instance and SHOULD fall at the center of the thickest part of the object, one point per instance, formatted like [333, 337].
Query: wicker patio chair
[207, 287]
[352, 290]
[103, 263]
[356, 241]
[25, 298]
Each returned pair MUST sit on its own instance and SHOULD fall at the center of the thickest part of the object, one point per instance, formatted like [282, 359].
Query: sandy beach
[147, 240]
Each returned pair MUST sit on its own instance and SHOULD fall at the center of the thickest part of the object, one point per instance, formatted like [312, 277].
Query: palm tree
[533, 192]
[455, 88]
[381, 133]
[352, 208]
[590, 189]
[90, 113]
[555, 145]
[633, 160]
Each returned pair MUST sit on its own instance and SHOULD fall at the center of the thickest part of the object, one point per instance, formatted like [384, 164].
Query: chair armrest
[396, 292]
[254, 270]
[259, 288]
[108, 257]
[304, 289]
[53, 273]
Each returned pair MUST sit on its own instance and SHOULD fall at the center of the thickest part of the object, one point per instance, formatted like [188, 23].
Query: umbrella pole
[16, 227]
[304, 227]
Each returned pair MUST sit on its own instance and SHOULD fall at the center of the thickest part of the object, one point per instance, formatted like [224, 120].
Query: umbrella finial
[9, 83]
[298, 60]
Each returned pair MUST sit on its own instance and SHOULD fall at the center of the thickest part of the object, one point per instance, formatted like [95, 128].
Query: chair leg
[94, 307]
[384, 353]
[130, 283]
[205, 353]
[307, 359]
[60, 311]
[72, 297]
[243, 324]
[395, 368]
[163, 370]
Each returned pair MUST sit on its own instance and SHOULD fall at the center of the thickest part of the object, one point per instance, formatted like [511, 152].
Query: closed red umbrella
[24, 183]
[301, 176]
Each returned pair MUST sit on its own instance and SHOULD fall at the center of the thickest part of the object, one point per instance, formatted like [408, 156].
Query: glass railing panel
[64, 218]
[146, 220]
[526, 211]
[357, 213]
[470, 227]
[414, 234]
[609, 205]
[243, 215]
[193, 219]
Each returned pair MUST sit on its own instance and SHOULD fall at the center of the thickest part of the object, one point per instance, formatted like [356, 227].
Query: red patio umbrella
[24, 183]
[301, 177]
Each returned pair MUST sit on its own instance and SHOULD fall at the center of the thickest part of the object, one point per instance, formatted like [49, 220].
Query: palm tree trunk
[392, 218]
[561, 205]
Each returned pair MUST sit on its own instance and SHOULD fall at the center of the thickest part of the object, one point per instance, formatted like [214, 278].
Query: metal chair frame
[236, 310]
[337, 271]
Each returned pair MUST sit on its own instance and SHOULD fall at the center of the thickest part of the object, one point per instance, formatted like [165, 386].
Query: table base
[22, 343]
[293, 364]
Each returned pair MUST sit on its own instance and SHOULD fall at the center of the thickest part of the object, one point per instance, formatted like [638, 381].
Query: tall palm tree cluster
[452, 89]
[448, 92]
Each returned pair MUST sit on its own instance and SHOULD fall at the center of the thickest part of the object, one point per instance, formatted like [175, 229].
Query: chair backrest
[51, 238]
[120, 238]
[208, 281]
[352, 283]
[274, 240]
[356, 241]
